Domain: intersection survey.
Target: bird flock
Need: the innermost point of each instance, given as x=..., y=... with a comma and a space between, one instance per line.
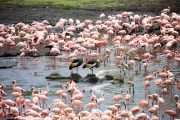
x=135, y=40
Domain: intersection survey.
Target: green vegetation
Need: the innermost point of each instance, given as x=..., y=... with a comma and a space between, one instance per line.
x=89, y=4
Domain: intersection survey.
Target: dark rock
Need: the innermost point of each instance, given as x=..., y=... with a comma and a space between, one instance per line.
x=91, y=78
x=76, y=77
x=109, y=77
x=56, y=76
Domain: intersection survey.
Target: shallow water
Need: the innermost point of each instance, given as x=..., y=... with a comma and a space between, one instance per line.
x=31, y=72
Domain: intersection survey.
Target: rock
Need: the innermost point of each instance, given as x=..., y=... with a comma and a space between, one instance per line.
x=91, y=78
x=56, y=76
x=109, y=77
x=76, y=77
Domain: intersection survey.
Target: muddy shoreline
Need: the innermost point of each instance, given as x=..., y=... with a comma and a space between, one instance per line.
x=15, y=14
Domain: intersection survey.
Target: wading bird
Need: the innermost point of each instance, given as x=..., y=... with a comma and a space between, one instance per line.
x=94, y=63
x=76, y=63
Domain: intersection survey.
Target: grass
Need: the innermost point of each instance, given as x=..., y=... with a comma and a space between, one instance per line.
x=86, y=4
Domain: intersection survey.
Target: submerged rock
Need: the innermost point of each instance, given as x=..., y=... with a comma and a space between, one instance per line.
x=115, y=79
x=56, y=76
x=91, y=78
x=76, y=77
x=109, y=77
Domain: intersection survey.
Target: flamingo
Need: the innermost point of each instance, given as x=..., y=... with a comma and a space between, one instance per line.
x=171, y=113
x=16, y=88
